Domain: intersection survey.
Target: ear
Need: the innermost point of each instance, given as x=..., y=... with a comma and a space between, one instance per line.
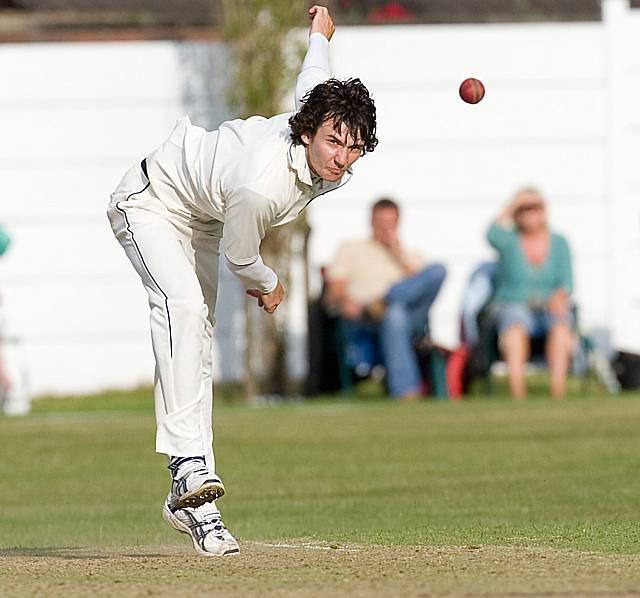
x=306, y=138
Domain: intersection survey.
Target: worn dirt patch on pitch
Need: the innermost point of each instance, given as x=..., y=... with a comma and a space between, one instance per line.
x=303, y=568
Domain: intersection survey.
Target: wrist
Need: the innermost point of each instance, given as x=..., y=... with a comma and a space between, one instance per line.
x=272, y=284
x=318, y=35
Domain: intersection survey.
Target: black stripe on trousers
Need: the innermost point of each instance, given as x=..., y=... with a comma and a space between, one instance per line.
x=143, y=165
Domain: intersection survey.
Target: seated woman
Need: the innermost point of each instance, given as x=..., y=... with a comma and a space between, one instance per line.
x=533, y=290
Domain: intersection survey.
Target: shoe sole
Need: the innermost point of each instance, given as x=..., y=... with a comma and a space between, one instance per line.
x=197, y=498
x=176, y=524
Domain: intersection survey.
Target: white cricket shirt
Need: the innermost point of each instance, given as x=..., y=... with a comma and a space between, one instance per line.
x=247, y=174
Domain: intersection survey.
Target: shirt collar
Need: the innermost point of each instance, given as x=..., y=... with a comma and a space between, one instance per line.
x=298, y=162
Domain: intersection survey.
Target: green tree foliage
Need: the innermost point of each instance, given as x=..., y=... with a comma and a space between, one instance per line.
x=257, y=31
x=265, y=59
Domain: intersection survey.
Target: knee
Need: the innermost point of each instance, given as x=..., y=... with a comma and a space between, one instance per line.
x=515, y=331
x=560, y=333
x=434, y=276
x=190, y=309
x=560, y=327
x=513, y=338
x=438, y=272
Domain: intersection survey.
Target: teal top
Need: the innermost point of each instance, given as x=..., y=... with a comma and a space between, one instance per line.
x=4, y=240
x=519, y=281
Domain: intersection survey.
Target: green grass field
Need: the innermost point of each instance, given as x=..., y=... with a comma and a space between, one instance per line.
x=484, y=474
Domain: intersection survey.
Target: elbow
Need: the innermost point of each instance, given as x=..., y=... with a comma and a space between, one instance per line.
x=235, y=263
x=307, y=81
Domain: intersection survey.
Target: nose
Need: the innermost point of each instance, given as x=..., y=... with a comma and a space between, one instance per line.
x=341, y=157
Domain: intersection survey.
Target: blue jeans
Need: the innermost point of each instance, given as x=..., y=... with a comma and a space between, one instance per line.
x=405, y=319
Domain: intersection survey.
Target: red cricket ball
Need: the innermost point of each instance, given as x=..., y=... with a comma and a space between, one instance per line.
x=471, y=90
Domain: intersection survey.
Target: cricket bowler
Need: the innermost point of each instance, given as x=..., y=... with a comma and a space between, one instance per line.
x=170, y=213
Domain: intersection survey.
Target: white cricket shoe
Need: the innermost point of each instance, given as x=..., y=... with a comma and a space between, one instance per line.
x=205, y=528
x=192, y=484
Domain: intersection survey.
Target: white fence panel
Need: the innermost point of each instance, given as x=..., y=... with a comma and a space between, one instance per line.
x=560, y=112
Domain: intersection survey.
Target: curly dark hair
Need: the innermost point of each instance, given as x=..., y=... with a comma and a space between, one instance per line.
x=346, y=102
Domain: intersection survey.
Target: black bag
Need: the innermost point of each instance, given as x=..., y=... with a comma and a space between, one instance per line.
x=627, y=369
x=324, y=361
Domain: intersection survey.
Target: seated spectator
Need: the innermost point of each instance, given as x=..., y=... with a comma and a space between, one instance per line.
x=377, y=284
x=533, y=290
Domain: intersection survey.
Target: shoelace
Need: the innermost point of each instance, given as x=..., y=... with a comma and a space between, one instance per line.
x=206, y=527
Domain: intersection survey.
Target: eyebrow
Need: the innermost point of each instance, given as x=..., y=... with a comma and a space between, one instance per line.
x=355, y=144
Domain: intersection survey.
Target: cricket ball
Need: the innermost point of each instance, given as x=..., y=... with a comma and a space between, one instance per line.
x=471, y=90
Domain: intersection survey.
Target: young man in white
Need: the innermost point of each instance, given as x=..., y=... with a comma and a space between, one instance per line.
x=170, y=213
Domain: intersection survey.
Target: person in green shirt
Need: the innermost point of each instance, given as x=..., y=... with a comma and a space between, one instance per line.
x=533, y=290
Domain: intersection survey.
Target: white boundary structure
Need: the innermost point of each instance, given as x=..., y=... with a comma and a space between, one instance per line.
x=623, y=175
x=559, y=113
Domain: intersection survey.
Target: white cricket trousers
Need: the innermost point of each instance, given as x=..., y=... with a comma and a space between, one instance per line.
x=176, y=256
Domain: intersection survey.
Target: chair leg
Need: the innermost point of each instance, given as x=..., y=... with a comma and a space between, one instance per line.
x=438, y=375
x=344, y=371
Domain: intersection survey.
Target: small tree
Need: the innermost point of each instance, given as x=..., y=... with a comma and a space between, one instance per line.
x=264, y=66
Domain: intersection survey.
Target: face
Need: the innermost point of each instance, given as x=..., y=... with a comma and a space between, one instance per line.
x=384, y=222
x=531, y=216
x=331, y=151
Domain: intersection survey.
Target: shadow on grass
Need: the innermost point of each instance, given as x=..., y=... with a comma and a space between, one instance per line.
x=78, y=553
x=50, y=551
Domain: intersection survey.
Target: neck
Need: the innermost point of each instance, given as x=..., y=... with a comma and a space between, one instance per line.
x=532, y=234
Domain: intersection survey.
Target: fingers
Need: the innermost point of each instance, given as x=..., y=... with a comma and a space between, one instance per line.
x=271, y=306
x=257, y=294
x=321, y=21
x=269, y=302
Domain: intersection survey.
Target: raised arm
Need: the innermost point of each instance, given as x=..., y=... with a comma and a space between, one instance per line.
x=501, y=231
x=315, y=67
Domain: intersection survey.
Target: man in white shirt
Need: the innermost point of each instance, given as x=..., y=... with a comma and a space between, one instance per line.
x=171, y=212
x=385, y=291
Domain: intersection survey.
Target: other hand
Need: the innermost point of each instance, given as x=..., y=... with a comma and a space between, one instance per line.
x=350, y=309
x=391, y=241
x=269, y=301
x=321, y=21
x=558, y=303
x=506, y=216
